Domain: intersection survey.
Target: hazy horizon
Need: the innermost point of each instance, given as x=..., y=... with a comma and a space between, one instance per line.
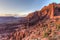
x=22, y=7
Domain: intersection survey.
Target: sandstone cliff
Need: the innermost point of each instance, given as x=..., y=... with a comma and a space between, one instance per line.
x=36, y=26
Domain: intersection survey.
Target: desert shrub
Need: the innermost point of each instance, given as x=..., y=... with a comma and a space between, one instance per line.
x=58, y=27
x=45, y=34
x=45, y=26
x=52, y=24
x=49, y=31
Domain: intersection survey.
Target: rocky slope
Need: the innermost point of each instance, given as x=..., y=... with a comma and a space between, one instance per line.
x=36, y=26
x=31, y=28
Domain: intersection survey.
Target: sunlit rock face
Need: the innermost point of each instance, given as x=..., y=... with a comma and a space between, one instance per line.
x=39, y=25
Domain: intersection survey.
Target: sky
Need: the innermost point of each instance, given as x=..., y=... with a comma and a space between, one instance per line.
x=22, y=7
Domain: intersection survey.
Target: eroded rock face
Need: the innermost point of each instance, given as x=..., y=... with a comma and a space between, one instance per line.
x=36, y=26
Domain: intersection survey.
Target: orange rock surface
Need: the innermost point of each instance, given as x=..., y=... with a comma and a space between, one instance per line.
x=39, y=25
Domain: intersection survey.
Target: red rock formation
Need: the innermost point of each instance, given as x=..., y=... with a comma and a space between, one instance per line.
x=39, y=25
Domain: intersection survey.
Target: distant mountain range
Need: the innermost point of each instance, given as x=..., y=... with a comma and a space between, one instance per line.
x=15, y=15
